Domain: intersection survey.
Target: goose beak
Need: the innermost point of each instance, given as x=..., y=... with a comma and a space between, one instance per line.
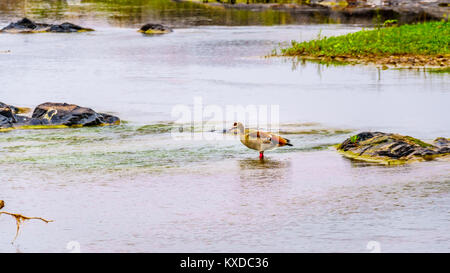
x=233, y=130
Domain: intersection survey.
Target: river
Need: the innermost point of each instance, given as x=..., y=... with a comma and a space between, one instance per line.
x=134, y=188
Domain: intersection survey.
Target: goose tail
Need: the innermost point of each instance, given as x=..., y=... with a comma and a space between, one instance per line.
x=285, y=142
x=288, y=142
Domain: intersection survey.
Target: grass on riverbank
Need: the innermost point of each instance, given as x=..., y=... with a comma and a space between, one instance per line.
x=423, y=40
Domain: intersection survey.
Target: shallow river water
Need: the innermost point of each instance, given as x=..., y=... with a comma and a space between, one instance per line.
x=134, y=188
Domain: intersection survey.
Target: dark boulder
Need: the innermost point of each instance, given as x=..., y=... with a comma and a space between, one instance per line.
x=7, y=115
x=69, y=115
x=392, y=148
x=154, y=29
x=68, y=27
x=15, y=109
x=443, y=144
x=54, y=114
x=27, y=26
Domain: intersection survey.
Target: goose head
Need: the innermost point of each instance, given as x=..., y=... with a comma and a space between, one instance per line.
x=238, y=128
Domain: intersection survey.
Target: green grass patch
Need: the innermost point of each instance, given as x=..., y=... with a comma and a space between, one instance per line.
x=431, y=38
x=440, y=70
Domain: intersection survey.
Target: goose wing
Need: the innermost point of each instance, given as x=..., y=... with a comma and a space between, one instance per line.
x=264, y=137
x=267, y=138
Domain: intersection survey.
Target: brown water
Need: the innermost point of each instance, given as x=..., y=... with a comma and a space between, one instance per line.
x=132, y=13
x=133, y=188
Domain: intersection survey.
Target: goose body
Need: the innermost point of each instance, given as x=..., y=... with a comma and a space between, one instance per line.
x=259, y=140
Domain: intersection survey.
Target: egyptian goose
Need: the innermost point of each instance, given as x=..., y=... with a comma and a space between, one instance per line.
x=258, y=140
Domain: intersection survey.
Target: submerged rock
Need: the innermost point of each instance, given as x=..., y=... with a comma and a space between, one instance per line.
x=68, y=27
x=55, y=114
x=27, y=26
x=392, y=148
x=7, y=115
x=155, y=29
x=15, y=109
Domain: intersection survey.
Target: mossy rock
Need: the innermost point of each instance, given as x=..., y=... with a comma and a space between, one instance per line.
x=27, y=26
x=154, y=29
x=392, y=149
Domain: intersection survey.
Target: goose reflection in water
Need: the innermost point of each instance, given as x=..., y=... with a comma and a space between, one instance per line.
x=267, y=170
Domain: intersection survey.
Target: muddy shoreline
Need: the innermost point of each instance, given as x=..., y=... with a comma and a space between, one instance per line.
x=409, y=61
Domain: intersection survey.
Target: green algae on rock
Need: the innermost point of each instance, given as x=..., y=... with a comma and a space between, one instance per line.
x=27, y=26
x=53, y=115
x=391, y=149
x=154, y=29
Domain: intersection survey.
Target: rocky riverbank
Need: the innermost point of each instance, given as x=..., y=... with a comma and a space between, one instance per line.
x=406, y=11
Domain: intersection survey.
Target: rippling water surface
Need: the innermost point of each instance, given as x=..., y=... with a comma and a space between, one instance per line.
x=132, y=187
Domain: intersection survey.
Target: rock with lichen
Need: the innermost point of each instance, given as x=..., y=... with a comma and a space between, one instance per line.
x=392, y=148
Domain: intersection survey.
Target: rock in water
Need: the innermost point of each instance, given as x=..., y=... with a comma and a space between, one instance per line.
x=154, y=29
x=7, y=115
x=392, y=148
x=69, y=115
x=16, y=110
x=27, y=26
x=54, y=114
x=68, y=27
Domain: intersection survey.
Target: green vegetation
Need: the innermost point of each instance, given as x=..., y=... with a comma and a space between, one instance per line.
x=418, y=142
x=440, y=70
x=354, y=138
x=300, y=2
x=134, y=13
x=426, y=39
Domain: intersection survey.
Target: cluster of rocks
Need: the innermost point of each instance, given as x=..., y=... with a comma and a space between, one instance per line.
x=52, y=114
x=27, y=26
x=392, y=148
